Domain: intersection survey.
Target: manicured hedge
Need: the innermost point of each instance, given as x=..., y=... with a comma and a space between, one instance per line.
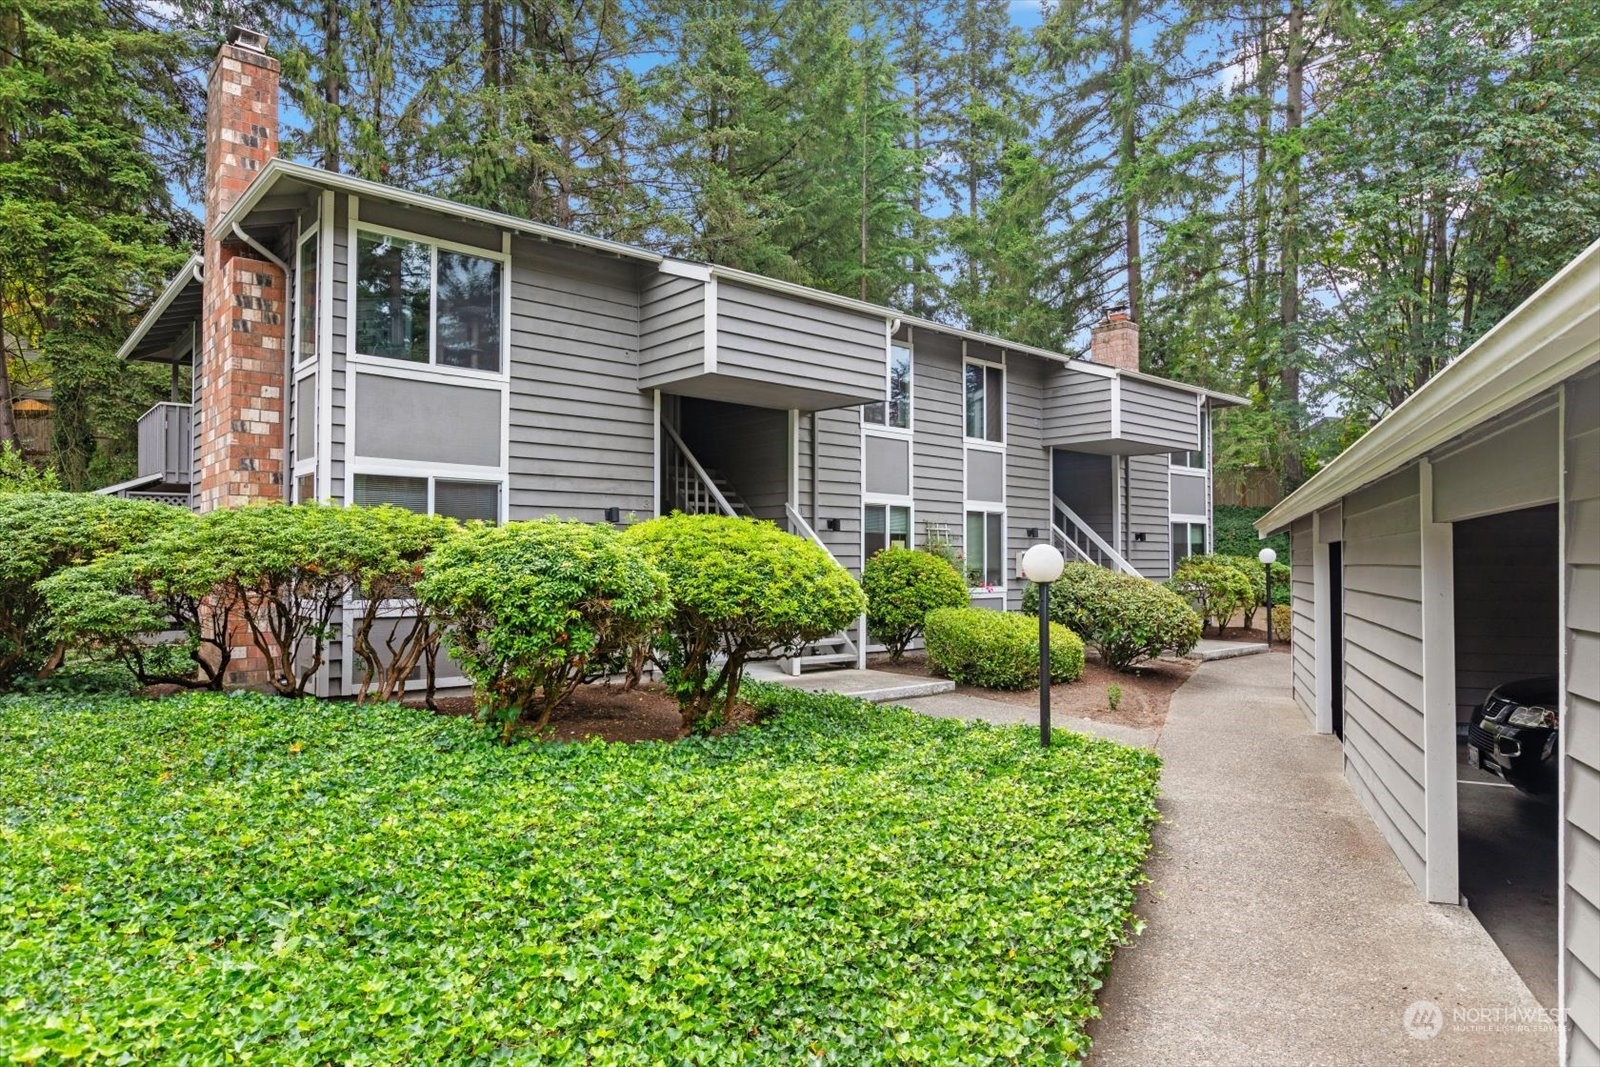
x=902, y=586
x=1215, y=586
x=253, y=878
x=998, y=650
x=1127, y=619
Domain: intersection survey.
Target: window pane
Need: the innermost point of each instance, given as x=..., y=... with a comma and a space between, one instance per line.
x=392, y=289
x=974, y=548
x=974, y=400
x=467, y=500
x=900, y=526
x=1180, y=543
x=875, y=519
x=469, y=311
x=994, y=573
x=995, y=404
x=305, y=488
x=900, y=387
x=306, y=294
x=873, y=413
x=408, y=493
x=1197, y=539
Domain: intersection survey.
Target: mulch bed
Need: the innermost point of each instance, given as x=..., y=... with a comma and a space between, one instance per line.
x=1146, y=692
x=610, y=713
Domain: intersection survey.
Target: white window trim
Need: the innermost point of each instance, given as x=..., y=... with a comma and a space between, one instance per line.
x=987, y=507
x=432, y=472
x=431, y=368
x=311, y=233
x=883, y=429
x=886, y=500
x=1005, y=382
x=1194, y=474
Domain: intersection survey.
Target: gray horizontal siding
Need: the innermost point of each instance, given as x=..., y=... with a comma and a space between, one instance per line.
x=1303, y=644
x=1160, y=415
x=938, y=421
x=837, y=443
x=1383, y=661
x=672, y=328
x=1581, y=726
x=582, y=434
x=1148, y=514
x=1077, y=407
x=1027, y=466
x=776, y=338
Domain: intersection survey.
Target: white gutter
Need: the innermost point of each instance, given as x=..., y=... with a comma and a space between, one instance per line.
x=1554, y=335
x=190, y=271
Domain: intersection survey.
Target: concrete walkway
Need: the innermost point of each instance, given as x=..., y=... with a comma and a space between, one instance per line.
x=1282, y=930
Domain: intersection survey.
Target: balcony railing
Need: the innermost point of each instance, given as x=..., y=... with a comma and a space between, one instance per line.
x=166, y=443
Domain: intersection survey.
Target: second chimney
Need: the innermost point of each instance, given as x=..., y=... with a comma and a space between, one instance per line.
x=1114, y=341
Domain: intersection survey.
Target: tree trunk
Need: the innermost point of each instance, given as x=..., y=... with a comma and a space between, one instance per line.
x=1126, y=159
x=1289, y=283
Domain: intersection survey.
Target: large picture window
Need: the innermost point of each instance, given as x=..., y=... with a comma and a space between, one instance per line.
x=886, y=525
x=986, y=402
x=421, y=303
x=437, y=496
x=894, y=411
x=986, y=549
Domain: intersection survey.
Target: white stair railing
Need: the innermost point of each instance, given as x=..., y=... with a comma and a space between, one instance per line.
x=689, y=487
x=1073, y=535
x=841, y=647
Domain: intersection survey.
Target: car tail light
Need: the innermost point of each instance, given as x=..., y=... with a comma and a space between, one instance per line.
x=1544, y=717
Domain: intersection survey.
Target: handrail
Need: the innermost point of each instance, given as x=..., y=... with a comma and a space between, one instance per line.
x=805, y=530
x=1069, y=542
x=700, y=472
x=1095, y=539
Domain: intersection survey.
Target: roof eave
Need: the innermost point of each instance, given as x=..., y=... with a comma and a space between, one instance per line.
x=190, y=271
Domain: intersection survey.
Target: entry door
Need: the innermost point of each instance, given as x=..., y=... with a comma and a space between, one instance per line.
x=1336, y=631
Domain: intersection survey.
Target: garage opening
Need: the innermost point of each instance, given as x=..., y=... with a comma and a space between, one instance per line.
x=1507, y=617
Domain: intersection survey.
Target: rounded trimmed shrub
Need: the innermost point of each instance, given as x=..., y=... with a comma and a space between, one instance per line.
x=1126, y=618
x=740, y=587
x=1216, y=587
x=998, y=650
x=902, y=585
x=528, y=605
x=1252, y=569
x=1282, y=623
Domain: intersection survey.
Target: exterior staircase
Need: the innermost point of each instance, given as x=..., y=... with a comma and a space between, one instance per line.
x=1078, y=540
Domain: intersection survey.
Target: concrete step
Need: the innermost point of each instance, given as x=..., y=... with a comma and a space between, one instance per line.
x=1206, y=651
x=879, y=687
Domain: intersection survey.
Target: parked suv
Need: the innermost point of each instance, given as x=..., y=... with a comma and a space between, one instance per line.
x=1513, y=734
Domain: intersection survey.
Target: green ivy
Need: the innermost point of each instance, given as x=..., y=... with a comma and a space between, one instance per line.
x=252, y=879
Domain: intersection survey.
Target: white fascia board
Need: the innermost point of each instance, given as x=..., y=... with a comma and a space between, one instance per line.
x=180, y=281
x=1551, y=337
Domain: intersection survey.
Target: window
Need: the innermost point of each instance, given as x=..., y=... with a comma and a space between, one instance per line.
x=887, y=524
x=1188, y=539
x=986, y=402
x=895, y=411
x=424, y=304
x=305, y=488
x=455, y=499
x=1195, y=460
x=986, y=549
x=305, y=315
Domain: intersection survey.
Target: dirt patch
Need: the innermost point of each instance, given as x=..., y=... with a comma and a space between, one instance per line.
x=610, y=713
x=1146, y=692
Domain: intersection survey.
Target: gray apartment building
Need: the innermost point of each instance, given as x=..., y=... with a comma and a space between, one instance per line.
x=354, y=342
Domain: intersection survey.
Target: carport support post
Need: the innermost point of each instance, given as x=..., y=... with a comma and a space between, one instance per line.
x=1441, y=844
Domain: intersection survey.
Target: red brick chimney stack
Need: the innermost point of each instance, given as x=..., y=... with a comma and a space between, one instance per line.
x=1114, y=341
x=240, y=455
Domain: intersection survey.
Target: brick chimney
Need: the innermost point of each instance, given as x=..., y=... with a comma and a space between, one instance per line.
x=241, y=384
x=1114, y=341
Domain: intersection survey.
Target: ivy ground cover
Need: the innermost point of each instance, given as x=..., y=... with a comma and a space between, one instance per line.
x=249, y=879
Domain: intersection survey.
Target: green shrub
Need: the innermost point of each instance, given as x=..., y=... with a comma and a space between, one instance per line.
x=740, y=587
x=42, y=533
x=1215, y=586
x=1282, y=623
x=528, y=605
x=187, y=876
x=1113, y=696
x=17, y=475
x=998, y=650
x=902, y=586
x=1253, y=570
x=1126, y=618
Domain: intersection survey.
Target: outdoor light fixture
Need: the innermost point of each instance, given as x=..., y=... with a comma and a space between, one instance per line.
x=1268, y=557
x=1032, y=532
x=613, y=515
x=1042, y=565
x=831, y=525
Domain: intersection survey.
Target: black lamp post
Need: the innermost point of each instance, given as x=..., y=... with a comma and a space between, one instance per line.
x=1268, y=557
x=1042, y=565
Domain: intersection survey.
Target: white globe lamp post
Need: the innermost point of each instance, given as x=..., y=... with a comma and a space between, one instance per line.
x=1041, y=565
x=1268, y=557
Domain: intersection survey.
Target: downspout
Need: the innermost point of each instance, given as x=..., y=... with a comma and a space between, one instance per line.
x=288, y=355
x=813, y=446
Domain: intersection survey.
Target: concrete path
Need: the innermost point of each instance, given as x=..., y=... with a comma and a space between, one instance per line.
x=880, y=687
x=971, y=706
x=1281, y=928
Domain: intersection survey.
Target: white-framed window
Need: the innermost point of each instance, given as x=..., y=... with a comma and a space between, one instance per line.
x=457, y=498
x=986, y=550
x=985, y=389
x=1188, y=539
x=423, y=301
x=885, y=525
x=305, y=487
x=894, y=411
x=1189, y=460
x=306, y=297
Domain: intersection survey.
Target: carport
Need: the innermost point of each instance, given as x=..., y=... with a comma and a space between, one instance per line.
x=1454, y=548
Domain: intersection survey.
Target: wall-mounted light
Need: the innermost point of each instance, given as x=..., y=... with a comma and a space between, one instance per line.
x=613, y=515
x=832, y=525
x=1138, y=537
x=1032, y=533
